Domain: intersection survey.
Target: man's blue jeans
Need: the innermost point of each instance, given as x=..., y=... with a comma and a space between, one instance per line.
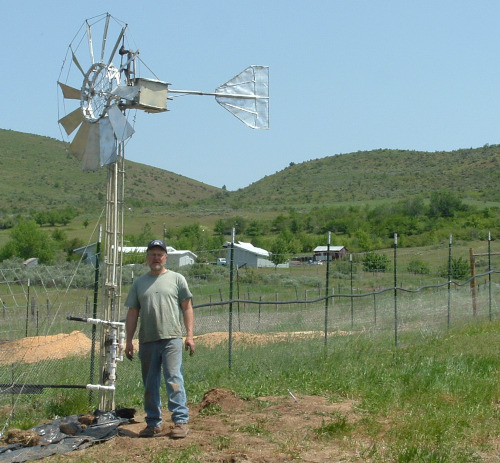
x=166, y=354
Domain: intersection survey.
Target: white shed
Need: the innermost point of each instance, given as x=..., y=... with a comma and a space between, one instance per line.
x=247, y=255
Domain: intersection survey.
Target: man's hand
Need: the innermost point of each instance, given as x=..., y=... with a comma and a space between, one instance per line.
x=129, y=350
x=189, y=345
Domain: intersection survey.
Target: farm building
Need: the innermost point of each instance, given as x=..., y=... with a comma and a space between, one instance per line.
x=175, y=258
x=247, y=255
x=336, y=252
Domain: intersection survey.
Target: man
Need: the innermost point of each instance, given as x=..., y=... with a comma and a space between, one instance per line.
x=160, y=297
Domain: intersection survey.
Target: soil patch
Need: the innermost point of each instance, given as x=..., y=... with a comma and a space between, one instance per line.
x=225, y=428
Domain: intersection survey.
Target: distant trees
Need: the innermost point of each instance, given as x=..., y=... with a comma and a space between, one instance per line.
x=55, y=217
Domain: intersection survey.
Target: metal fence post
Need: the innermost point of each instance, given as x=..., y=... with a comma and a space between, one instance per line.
x=395, y=290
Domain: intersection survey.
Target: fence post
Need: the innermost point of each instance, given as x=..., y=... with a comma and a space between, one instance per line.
x=473, y=283
x=326, y=285
x=352, y=298
x=489, y=276
x=449, y=281
x=231, y=267
x=395, y=291
x=27, y=309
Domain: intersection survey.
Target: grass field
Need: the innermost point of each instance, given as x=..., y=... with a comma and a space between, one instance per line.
x=436, y=400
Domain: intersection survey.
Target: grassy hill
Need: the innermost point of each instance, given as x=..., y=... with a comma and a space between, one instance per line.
x=379, y=175
x=38, y=173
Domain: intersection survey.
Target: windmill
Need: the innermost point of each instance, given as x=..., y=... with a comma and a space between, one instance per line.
x=103, y=77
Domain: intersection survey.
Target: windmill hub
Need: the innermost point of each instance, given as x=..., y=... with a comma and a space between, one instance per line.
x=98, y=83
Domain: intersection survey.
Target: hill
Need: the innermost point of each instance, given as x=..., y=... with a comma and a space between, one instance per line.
x=379, y=175
x=38, y=173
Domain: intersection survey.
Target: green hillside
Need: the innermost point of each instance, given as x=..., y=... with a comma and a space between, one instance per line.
x=38, y=174
x=380, y=175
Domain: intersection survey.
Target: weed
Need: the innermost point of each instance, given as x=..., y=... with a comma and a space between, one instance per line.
x=222, y=442
x=189, y=454
x=211, y=409
x=337, y=426
x=256, y=429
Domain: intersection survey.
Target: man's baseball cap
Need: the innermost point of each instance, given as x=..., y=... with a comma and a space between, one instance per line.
x=157, y=243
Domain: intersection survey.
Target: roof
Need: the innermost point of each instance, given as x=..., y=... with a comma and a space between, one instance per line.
x=133, y=250
x=325, y=248
x=249, y=247
x=142, y=249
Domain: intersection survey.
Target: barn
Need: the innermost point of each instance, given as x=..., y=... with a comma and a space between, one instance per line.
x=336, y=252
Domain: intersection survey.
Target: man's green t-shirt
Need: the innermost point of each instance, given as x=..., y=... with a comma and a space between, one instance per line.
x=158, y=299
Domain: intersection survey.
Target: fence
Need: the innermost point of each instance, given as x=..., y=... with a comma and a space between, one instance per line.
x=248, y=306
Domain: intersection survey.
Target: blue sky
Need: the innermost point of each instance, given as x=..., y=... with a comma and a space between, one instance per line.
x=345, y=75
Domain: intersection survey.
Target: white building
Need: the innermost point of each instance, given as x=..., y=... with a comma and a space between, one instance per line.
x=247, y=255
x=175, y=258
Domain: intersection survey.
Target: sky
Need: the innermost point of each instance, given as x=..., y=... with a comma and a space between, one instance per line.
x=345, y=76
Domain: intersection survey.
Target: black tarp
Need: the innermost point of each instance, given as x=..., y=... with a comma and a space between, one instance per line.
x=53, y=440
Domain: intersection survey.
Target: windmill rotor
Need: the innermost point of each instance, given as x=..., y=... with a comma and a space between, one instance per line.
x=100, y=117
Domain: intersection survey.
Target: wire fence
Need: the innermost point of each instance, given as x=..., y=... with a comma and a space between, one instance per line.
x=235, y=307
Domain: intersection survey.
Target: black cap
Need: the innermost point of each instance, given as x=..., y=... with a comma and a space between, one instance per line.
x=157, y=243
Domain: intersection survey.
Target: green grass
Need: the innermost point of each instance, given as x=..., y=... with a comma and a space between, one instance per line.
x=433, y=399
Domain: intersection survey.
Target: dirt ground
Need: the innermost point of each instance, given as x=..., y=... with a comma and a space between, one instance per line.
x=223, y=427
x=227, y=429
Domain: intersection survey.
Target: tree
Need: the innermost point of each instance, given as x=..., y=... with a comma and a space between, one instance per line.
x=418, y=267
x=373, y=262
x=28, y=240
x=444, y=204
x=279, y=252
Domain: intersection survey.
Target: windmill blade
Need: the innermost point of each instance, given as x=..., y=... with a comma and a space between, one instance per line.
x=105, y=37
x=70, y=93
x=94, y=144
x=91, y=158
x=120, y=126
x=107, y=142
x=77, y=146
x=72, y=120
x=91, y=47
x=77, y=63
x=246, y=96
x=116, y=44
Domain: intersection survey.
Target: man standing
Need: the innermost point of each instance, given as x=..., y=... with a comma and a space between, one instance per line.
x=160, y=297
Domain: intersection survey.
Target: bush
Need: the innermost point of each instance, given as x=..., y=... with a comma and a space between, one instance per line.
x=418, y=267
x=373, y=262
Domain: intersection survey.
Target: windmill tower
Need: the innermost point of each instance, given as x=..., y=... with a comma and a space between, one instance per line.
x=102, y=76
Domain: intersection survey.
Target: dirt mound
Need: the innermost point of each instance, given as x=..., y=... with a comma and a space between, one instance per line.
x=37, y=348
x=224, y=399
x=239, y=337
